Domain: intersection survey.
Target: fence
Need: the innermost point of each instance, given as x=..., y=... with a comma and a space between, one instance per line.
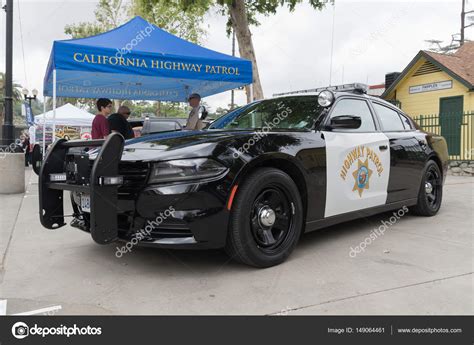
x=456, y=128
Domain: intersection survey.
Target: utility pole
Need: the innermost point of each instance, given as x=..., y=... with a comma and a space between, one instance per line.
x=7, y=128
x=232, y=105
x=463, y=21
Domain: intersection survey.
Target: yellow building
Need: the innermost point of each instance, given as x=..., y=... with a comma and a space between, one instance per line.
x=437, y=90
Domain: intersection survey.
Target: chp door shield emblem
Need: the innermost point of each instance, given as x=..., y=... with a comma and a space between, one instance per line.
x=362, y=176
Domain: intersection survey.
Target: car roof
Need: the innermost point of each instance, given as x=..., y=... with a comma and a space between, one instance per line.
x=339, y=94
x=156, y=119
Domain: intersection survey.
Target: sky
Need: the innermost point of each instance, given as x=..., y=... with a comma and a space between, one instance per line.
x=293, y=49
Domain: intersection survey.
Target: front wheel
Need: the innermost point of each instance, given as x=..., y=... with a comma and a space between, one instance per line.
x=431, y=191
x=266, y=220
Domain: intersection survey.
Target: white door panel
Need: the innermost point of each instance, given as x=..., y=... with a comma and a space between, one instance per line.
x=357, y=171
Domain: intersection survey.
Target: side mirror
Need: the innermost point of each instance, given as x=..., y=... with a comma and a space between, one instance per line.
x=345, y=122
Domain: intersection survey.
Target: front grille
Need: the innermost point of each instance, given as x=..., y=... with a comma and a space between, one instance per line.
x=170, y=228
x=134, y=178
x=77, y=168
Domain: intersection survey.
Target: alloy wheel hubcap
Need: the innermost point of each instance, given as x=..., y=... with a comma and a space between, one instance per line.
x=266, y=216
x=428, y=188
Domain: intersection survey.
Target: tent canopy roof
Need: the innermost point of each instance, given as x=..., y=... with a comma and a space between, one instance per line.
x=68, y=115
x=138, y=60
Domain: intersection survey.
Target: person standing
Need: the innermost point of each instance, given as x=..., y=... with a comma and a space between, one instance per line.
x=100, y=126
x=196, y=114
x=26, y=146
x=118, y=122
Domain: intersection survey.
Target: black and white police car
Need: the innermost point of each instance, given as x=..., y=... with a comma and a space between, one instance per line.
x=255, y=180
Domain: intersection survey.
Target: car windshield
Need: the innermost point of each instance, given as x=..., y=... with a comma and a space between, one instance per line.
x=294, y=113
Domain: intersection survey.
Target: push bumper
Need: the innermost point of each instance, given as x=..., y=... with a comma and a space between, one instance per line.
x=180, y=216
x=103, y=198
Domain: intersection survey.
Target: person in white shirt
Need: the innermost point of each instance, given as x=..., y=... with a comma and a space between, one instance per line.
x=195, y=115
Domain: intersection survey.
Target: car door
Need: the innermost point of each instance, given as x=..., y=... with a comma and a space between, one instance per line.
x=407, y=154
x=357, y=160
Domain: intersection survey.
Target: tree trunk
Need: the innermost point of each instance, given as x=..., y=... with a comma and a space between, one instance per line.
x=240, y=24
x=158, y=108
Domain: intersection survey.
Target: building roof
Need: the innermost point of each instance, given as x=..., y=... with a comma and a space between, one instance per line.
x=378, y=86
x=461, y=62
x=459, y=65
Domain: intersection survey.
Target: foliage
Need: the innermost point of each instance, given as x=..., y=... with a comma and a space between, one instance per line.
x=17, y=99
x=108, y=15
x=169, y=16
x=17, y=95
x=253, y=7
x=167, y=109
x=220, y=111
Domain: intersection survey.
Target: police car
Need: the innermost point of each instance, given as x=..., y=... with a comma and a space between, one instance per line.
x=254, y=181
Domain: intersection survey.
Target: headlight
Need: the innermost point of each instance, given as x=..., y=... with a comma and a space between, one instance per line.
x=185, y=169
x=325, y=98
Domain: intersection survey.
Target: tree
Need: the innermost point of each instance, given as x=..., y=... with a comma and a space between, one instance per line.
x=17, y=95
x=170, y=16
x=108, y=15
x=168, y=109
x=222, y=111
x=240, y=15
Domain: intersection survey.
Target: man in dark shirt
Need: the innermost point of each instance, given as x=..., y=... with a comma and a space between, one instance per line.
x=100, y=126
x=118, y=122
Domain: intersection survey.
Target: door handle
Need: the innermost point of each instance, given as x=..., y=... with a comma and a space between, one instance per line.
x=383, y=147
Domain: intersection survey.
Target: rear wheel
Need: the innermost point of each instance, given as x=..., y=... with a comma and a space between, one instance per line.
x=431, y=191
x=266, y=220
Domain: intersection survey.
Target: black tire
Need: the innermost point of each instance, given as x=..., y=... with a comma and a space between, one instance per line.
x=266, y=194
x=430, y=193
x=36, y=159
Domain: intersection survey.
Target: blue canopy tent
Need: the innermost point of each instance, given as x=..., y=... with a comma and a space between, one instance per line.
x=139, y=61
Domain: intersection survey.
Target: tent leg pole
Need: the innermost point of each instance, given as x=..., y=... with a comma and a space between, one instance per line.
x=54, y=106
x=44, y=126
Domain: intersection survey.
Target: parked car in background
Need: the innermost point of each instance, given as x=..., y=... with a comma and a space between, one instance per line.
x=151, y=125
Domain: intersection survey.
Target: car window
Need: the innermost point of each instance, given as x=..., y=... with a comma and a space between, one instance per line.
x=355, y=107
x=406, y=122
x=298, y=113
x=390, y=119
x=161, y=126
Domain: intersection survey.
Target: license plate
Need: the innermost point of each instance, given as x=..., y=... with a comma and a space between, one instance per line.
x=85, y=202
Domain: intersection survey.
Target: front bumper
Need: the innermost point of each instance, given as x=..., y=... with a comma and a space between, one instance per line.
x=186, y=215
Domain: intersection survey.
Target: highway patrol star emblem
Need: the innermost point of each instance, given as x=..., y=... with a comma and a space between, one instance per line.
x=362, y=176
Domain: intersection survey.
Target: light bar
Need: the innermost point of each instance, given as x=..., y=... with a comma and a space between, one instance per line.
x=354, y=87
x=110, y=180
x=61, y=177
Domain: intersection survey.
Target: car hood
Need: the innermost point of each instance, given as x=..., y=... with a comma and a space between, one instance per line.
x=181, y=144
